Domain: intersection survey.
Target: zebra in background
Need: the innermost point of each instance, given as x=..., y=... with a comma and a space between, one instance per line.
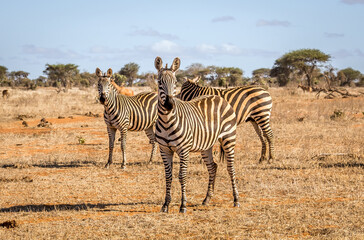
x=194, y=126
x=250, y=103
x=123, y=113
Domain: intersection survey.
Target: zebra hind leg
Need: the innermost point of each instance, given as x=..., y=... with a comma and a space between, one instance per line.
x=212, y=169
x=152, y=140
x=259, y=132
x=268, y=134
x=123, y=147
x=229, y=153
x=111, y=132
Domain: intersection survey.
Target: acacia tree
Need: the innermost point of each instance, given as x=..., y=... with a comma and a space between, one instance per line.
x=130, y=71
x=3, y=77
x=349, y=75
x=304, y=61
x=61, y=74
x=261, y=76
x=20, y=78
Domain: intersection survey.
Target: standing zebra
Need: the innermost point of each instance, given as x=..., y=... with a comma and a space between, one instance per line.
x=194, y=126
x=123, y=113
x=250, y=103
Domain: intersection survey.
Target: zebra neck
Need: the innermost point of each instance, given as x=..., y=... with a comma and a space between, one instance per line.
x=111, y=99
x=166, y=115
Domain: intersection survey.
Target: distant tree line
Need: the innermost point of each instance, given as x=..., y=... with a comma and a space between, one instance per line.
x=304, y=66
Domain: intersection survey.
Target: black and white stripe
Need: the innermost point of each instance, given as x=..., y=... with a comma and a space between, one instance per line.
x=126, y=113
x=195, y=126
x=250, y=103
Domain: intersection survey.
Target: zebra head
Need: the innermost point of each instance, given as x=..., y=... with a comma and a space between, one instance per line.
x=167, y=82
x=188, y=88
x=103, y=84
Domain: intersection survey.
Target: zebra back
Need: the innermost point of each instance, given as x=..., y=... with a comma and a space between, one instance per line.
x=140, y=110
x=247, y=102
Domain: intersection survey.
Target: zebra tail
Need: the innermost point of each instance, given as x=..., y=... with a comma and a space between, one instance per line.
x=222, y=154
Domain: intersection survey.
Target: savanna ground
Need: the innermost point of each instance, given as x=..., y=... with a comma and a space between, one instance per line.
x=53, y=184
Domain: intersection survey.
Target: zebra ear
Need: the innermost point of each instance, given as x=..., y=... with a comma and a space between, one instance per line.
x=175, y=65
x=98, y=72
x=195, y=80
x=158, y=63
x=109, y=72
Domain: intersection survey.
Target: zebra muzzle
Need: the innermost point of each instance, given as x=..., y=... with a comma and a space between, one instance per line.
x=102, y=99
x=169, y=103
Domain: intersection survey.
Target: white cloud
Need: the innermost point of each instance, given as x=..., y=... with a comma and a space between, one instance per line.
x=230, y=49
x=206, y=48
x=351, y=2
x=153, y=33
x=99, y=49
x=51, y=53
x=223, y=19
x=166, y=46
x=345, y=53
x=272, y=23
x=334, y=35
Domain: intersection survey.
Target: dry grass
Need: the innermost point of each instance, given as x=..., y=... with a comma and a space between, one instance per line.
x=56, y=188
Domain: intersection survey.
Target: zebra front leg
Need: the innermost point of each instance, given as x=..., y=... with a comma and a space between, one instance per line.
x=152, y=140
x=167, y=156
x=229, y=152
x=111, y=132
x=123, y=146
x=212, y=169
x=184, y=157
x=257, y=129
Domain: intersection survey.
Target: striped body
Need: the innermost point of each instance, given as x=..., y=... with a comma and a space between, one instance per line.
x=127, y=113
x=250, y=103
x=195, y=126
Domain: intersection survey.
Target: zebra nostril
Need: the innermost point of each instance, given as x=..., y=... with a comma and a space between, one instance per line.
x=102, y=98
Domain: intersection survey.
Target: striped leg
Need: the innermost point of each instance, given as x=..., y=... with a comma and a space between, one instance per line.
x=167, y=156
x=151, y=136
x=111, y=132
x=229, y=154
x=257, y=129
x=123, y=146
x=184, y=157
x=212, y=168
x=268, y=134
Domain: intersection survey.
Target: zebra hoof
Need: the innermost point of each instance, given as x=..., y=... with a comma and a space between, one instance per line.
x=206, y=201
x=123, y=167
x=107, y=165
x=164, y=209
x=183, y=210
x=236, y=204
x=262, y=159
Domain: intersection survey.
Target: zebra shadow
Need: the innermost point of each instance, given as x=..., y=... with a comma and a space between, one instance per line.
x=72, y=164
x=104, y=207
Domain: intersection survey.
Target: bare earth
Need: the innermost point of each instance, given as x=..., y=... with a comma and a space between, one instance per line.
x=53, y=184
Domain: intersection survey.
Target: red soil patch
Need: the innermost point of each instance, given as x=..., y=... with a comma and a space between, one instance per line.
x=16, y=127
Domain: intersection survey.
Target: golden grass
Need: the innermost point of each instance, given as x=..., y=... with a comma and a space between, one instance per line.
x=56, y=188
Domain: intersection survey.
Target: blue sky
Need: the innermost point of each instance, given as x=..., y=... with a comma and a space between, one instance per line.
x=230, y=33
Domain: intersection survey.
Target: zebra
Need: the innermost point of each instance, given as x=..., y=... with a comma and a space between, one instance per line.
x=123, y=113
x=250, y=103
x=194, y=126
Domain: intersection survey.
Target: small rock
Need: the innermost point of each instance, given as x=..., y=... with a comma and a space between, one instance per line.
x=25, y=124
x=9, y=224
